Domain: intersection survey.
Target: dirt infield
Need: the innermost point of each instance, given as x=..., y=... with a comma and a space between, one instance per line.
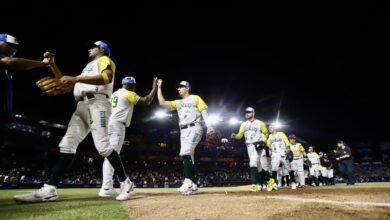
x=146, y=204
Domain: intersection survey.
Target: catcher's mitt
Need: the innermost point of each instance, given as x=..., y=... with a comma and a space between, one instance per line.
x=213, y=138
x=290, y=156
x=260, y=145
x=52, y=86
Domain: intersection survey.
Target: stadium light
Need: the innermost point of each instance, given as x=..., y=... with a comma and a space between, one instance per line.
x=161, y=114
x=233, y=121
x=277, y=124
x=214, y=119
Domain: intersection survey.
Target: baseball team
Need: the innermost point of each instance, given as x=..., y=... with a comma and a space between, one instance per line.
x=106, y=114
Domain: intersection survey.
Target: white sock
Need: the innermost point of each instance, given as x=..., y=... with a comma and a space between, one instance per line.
x=108, y=174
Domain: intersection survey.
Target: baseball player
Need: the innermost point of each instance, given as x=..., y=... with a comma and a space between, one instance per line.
x=326, y=169
x=323, y=178
x=330, y=173
x=314, y=159
x=190, y=108
x=92, y=89
x=122, y=106
x=296, y=166
x=283, y=174
x=8, y=48
x=277, y=143
x=255, y=131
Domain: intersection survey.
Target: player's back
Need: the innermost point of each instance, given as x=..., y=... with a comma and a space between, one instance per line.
x=122, y=105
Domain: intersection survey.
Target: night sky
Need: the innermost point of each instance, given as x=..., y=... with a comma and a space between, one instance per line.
x=321, y=63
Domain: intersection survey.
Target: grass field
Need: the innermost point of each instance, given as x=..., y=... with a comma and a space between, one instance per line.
x=210, y=203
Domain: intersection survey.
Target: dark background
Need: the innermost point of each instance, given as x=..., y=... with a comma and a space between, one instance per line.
x=323, y=64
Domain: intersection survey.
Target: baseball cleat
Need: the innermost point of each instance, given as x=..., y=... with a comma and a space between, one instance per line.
x=275, y=187
x=293, y=185
x=105, y=193
x=253, y=188
x=47, y=193
x=191, y=190
x=270, y=185
x=187, y=184
x=126, y=187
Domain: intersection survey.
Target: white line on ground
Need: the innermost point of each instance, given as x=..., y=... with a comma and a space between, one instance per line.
x=378, y=204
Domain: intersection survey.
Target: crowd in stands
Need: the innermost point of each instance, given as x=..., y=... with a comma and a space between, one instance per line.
x=161, y=173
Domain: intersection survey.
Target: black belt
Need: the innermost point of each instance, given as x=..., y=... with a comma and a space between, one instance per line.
x=91, y=96
x=187, y=126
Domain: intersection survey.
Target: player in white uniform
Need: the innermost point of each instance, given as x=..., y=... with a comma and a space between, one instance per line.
x=277, y=142
x=190, y=109
x=296, y=166
x=122, y=106
x=91, y=89
x=315, y=164
x=254, y=131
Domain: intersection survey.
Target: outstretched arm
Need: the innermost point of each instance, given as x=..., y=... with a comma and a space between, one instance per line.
x=16, y=63
x=161, y=99
x=146, y=100
x=206, y=119
x=50, y=57
x=99, y=79
x=240, y=133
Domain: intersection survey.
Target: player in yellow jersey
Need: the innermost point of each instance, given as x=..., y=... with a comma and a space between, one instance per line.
x=92, y=89
x=190, y=109
x=296, y=166
x=254, y=131
x=277, y=142
x=122, y=106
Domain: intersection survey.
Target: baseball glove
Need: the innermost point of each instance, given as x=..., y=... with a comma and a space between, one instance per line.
x=213, y=138
x=290, y=156
x=260, y=145
x=308, y=163
x=52, y=86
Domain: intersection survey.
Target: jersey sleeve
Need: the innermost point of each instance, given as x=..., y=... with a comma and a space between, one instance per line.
x=268, y=142
x=284, y=138
x=301, y=148
x=132, y=97
x=104, y=62
x=317, y=156
x=348, y=150
x=174, y=104
x=240, y=132
x=263, y=128
x=200, y=104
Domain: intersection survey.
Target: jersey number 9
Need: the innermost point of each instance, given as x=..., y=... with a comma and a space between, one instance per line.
x=114, y=101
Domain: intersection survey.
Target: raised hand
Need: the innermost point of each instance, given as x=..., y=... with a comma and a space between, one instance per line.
x=159, y=83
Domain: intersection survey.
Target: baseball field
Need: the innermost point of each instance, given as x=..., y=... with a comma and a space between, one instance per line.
x=362, y=201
